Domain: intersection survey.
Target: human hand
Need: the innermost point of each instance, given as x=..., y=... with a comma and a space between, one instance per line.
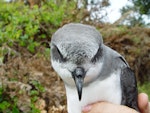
x=105, y=107
x=143, y=103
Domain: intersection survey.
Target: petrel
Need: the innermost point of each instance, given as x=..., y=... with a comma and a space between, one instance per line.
x=90, y=70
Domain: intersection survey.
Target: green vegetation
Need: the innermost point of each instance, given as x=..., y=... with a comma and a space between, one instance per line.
x=7, y=104
x=142, y=6
x=145, y=88
x=25, y=27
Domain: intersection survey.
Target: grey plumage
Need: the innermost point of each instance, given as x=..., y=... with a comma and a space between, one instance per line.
x=81, y=59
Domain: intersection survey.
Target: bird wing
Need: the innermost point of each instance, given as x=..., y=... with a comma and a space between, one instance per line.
x=129, y=88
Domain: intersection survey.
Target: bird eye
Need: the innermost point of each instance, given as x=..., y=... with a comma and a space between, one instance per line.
x=98, y=55
x=56, y=54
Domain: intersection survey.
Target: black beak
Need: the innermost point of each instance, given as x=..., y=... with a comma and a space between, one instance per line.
x=78, y=76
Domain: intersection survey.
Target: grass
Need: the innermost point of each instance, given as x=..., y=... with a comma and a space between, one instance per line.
x=144, y=88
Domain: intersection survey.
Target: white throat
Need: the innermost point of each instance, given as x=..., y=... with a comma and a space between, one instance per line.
x=108, y=89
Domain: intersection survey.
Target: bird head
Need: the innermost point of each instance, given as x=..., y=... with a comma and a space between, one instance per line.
x=76, y=55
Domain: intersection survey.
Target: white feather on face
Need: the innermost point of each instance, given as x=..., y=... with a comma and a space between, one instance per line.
x=64, y=71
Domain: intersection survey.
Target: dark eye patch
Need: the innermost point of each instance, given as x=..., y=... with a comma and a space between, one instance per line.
x=98, y=55
x=56, y=54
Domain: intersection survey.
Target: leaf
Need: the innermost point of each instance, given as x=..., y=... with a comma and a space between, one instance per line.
x=15, y=110
x=4, y=105
x=31, y=47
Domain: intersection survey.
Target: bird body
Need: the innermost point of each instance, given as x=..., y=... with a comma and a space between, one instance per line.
x=91, y=71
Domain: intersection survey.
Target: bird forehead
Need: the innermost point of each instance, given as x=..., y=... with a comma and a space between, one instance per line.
x=78, y=49
x=76, y=39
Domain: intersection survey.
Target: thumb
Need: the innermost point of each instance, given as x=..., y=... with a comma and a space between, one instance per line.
x=143, y=103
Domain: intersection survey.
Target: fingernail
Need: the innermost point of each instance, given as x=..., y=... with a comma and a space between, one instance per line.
x=86, y=108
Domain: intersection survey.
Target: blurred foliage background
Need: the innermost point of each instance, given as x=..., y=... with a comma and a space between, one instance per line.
x=27, y=81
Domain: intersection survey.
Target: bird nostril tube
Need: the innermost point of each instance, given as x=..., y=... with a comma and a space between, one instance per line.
x=79, y=72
